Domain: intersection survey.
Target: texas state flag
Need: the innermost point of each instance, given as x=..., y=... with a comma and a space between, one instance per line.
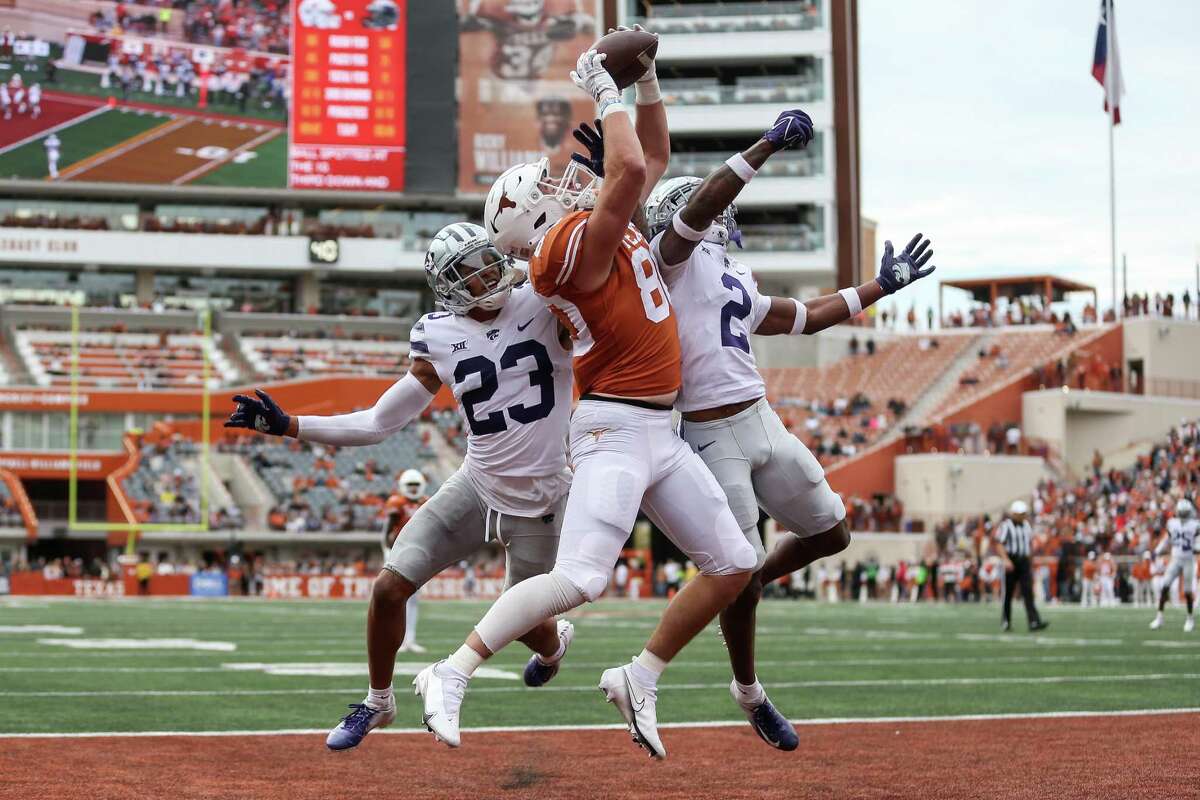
x=1106, y=66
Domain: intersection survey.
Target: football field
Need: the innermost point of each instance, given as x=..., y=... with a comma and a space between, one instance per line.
x=244, y=666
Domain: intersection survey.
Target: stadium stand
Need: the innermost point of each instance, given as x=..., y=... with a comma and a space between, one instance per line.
x=318, y=488
x=165, y=489
x=10, y=514
x=288, y=357
x=122, y=360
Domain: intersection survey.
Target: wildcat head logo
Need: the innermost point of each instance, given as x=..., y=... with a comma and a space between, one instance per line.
x=493, y=334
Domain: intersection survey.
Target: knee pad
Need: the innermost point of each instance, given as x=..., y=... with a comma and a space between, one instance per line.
x=589, y=578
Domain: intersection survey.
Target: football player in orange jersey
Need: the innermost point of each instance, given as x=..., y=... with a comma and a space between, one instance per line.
x=595, y=270
x=399, y=509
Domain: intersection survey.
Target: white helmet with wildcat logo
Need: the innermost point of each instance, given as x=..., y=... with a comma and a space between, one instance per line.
x=525, y=202
x=411, y=484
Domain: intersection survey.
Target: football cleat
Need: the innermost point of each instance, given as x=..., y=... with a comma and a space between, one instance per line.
x=1040, y=625
x=538, y=672
x=410, y=647
x=357, y=724
x=1005, y=627
x=441, y=687
x=1157, y=623
x=1189, y=625
x=637, y=706
x=771, y=726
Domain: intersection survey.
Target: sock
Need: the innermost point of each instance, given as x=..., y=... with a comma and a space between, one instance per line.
x=752, y=694
x=380, y=698
x=465, y=660
x=558, y=654
x=647, y=668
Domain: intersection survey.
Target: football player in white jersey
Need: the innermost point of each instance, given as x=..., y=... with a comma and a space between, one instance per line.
x=1182, y=530
x=508, y=363
x=726, y=417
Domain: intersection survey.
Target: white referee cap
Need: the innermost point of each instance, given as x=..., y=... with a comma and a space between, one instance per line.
x=1018, y=507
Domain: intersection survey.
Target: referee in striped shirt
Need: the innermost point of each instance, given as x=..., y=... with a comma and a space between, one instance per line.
x=1014, y=539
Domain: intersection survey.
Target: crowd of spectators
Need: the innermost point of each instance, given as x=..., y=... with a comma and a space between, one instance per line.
x=164, y=489
x=840, y=428
x=261, y=25
x=75, y=223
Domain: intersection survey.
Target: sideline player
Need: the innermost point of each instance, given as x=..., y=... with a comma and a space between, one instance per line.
x=508, y=363
x=596, y=271
x=1181, y=538
x=53, y=149
x=398, y=510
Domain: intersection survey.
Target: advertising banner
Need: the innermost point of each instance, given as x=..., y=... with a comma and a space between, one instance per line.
x=516, y=99
x=209, y=584
x=346, y=131
x=449, y=585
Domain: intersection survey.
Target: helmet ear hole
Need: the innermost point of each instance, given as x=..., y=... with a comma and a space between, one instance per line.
x=541, y=220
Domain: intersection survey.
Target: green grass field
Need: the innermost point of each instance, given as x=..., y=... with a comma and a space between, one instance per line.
x=817, y=661
x=78, y=142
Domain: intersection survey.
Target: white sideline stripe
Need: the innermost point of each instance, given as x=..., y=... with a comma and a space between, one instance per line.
x=1138, y=712
x=42, y=134
x=890, y=682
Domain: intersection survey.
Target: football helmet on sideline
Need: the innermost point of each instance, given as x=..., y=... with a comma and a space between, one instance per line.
x=411, y=484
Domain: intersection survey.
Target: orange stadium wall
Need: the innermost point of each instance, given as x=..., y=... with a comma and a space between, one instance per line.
x=874, y=472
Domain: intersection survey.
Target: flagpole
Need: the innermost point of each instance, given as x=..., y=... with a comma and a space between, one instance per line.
x=1112, y=79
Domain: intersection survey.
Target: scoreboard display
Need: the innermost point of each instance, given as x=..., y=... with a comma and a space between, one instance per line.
x=346, y=129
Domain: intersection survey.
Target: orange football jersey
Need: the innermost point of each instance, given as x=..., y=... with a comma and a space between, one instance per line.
x=626, y=342
x=403, y=508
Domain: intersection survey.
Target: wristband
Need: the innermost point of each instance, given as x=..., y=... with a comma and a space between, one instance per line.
x=646, y=92
x=853, y=302
x=801, y=318
x=685, y=230
x=609, y=106
x=737, y=162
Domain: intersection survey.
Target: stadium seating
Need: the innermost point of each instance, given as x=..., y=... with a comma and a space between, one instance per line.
x=164, y=488
x=288, y=357
x=10, y=515
x=327, y=488
x=123, y=360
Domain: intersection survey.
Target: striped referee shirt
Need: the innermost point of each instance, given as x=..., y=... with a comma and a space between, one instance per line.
x=1017, y=539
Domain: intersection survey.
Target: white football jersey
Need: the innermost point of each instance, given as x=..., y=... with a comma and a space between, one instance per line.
x=512, y=380
x=718, y=305
x=1183, y=536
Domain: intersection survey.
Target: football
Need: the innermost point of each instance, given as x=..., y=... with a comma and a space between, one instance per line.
x=630, y=54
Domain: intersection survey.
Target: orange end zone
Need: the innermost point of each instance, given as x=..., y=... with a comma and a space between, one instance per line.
x=1149, y=756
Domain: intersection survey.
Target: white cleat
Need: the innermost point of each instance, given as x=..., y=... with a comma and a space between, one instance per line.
x=637, y=705
x=1189, y=625
x=410, y=647
x=442, y=688
x=1157, y=623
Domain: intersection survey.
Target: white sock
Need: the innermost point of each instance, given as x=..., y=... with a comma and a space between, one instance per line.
x=752, y=694
x=647, y=668
x=380, y=698
x=465, y=660
x=410, y=621
x=558, y=654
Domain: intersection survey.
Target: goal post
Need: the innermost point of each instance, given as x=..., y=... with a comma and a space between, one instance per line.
x=73, y=521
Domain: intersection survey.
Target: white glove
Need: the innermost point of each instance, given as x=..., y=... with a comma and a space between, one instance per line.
x=591, y=76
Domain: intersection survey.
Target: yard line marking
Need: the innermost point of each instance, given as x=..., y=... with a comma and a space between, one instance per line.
x=849, y=683
x=393, y=731
x=121, y=148
x=208, y=166
x=62, y=629
x=95, y=112
x=878, y=662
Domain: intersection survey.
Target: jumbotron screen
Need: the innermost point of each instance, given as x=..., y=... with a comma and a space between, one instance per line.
x=274, y=94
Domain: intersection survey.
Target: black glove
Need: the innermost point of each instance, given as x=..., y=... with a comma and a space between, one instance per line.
x=262, y=415
x=593, y=140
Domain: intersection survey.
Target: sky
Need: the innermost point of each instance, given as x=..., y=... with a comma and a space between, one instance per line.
x=983, y=128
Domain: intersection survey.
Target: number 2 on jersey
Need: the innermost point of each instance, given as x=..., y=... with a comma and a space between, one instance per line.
x=734, y=309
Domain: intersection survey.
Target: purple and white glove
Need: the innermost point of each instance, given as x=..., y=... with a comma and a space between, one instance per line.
x=792, y=129
x=896, y=272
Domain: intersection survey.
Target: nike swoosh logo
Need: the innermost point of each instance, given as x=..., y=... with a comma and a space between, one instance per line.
x=526, y=325
x=700, y=449
x=425, y=718
x=637, y=703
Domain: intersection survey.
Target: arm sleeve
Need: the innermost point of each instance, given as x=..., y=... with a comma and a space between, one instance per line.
x=399, y=405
